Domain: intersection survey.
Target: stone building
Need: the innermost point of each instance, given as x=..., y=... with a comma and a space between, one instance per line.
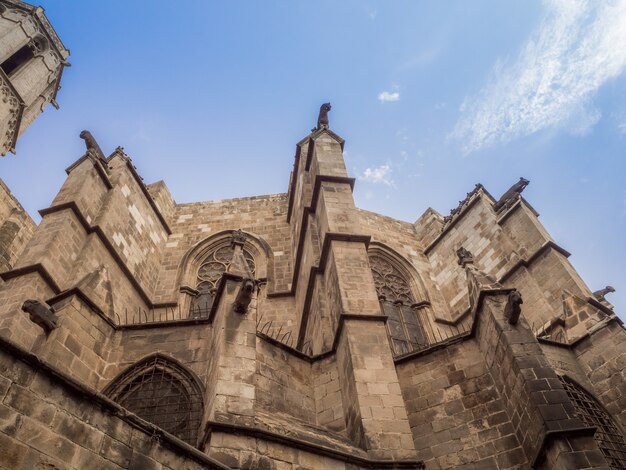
x=32, y=58
x=296, y=331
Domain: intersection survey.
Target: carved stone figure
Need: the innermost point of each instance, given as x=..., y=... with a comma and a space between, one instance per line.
x=239, y=238
x=244, y=296
x=92, y=146
x=322, y=120
x=511, y=194
x=464, y=256
x=599, y=294
x=41, y=315
x=512, y=309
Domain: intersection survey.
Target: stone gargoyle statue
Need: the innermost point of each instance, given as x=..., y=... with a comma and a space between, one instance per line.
x=322, y=119
x=244, y=296
x=512, y=310
x=41, y=315
x=511, y=194
x=93, y=148
x=599, y=294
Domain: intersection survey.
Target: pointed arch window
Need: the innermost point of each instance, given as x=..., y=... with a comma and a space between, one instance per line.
x=214, y=265
x=163, y=393
x=403, y=324
x=608, y=436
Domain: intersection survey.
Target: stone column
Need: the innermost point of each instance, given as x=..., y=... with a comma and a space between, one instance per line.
x=373, y=403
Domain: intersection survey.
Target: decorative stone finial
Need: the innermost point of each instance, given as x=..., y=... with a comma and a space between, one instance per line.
x=238, y=238
x=512, y=310
x=465, y=257
x=511, y=194
x=322, y=119
x=41, y=315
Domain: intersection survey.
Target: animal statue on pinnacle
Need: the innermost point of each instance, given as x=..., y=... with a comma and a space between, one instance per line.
x=511, y=195
x=322, y=119
x=93, y=149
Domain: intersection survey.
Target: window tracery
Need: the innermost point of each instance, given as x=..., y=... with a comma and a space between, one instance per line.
x=608, y=436
x=210, y=272
x=163, y=393
x=403, y=324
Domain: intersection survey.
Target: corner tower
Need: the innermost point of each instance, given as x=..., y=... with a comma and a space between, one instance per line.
x=32, y=58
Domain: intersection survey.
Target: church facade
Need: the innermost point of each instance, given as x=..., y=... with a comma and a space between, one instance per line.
x=296, y=331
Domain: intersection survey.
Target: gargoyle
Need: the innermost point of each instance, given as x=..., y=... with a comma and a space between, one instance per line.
x=244, y=296
x=322, y=119
x=512, y=309
x=511, y=194
x=41, y=315
x=599, y=294
x=93, y=148
x=464, y=256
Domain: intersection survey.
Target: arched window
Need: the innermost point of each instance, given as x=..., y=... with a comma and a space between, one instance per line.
x=210, y=272
x=608, y=436
x=403, y=325
x=19, y=58
x=163, y=393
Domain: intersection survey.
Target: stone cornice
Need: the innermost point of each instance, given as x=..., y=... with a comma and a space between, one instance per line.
x=547, y=246
x=33, y=268
x=314, y=448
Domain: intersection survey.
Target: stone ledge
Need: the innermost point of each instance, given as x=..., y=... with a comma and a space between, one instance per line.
x=33, y=268
x=314, y=448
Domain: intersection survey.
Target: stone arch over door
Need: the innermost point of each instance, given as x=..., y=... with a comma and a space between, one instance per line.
x=165, y=393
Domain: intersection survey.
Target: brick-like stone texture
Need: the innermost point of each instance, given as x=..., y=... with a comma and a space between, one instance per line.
x=304, y=377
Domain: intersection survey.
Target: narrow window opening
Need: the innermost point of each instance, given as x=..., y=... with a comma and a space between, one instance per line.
x=17, y=60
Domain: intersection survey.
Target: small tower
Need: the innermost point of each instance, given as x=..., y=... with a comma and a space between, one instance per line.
x=32, y=58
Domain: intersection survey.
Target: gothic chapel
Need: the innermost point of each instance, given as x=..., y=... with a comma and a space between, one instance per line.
x=293, y=331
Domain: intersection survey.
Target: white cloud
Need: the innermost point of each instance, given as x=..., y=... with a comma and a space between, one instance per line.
x=382, y=174
x=622, y=128
x=388, y=96
x=578, y=46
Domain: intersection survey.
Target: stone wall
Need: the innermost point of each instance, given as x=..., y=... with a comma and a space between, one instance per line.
x=50, y=421
x=305, y=377
x=16, y=228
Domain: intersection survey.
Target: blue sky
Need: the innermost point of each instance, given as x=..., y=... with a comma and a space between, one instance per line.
x=431, y=97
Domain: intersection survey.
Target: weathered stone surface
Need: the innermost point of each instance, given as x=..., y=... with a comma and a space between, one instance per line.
x=298, y=373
